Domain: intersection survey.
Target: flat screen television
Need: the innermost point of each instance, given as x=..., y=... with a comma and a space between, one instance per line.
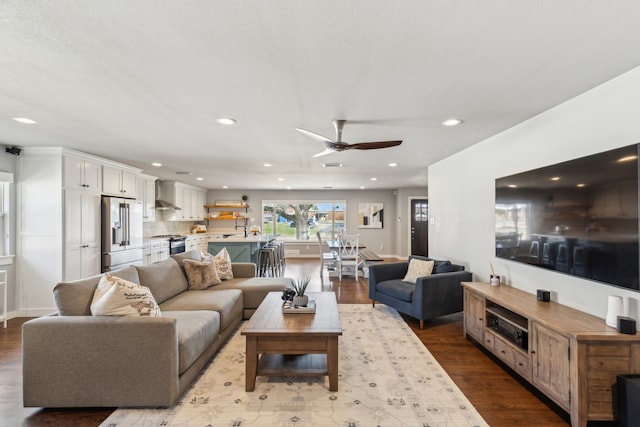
x=578, y=217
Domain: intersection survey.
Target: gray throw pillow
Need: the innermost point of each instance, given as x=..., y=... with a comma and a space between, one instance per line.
x=442, y=267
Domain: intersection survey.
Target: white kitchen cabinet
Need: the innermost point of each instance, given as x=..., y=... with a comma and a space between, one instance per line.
x=191, y=243
x=183, y=201
x=196, y=241
x=164, y=251
x=82, y=234
x=82, y=174
x=55, y=239
x=197, y=206
x=118, y=182
x=147, y=194
x=188, y=198
x=192, y=202
x=203, y=245
x=155, y=251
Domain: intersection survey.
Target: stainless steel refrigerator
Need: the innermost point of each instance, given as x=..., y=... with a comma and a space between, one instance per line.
x=121, y=233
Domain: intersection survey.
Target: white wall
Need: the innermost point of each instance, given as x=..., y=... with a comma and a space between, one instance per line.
x=461, y=187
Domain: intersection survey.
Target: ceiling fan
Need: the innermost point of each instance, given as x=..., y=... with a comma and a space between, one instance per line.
x=339, y=145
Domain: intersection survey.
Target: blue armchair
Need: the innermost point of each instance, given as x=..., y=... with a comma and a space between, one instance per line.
x=430, y=297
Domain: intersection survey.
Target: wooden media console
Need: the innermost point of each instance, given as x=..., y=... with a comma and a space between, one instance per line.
x=570, y=356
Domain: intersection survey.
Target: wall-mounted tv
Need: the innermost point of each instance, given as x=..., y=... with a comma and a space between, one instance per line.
x=578, y=217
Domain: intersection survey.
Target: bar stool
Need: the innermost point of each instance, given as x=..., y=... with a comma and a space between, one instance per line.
x=563, y=259
x=534, y=252
x=283, y=258
x=579, y=261
x=279, y=257
x=549, y=254
x=267, y=261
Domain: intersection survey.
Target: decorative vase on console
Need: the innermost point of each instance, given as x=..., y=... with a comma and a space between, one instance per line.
x=300, y=287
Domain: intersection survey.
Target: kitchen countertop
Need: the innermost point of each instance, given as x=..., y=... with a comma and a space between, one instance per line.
x=260, y=238
x=227, y=236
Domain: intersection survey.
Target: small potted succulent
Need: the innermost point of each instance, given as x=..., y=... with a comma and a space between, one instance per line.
x=244, y=200
x=300, y=287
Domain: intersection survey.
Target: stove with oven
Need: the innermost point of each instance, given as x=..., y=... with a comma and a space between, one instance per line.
x=177, y=242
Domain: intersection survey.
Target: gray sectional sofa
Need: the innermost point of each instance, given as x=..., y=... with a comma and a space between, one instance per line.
x=74, y=359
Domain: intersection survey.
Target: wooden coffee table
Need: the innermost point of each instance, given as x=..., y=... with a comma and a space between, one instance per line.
x=293, y=344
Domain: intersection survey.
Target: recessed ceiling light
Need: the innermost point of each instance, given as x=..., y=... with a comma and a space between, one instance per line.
x=289, y=188
x=25, y=120
x=628, y=158
x=374, y=179
x=226, y=121
x=225, y=186
x=451, y=122
x=267, y=165
x=156, y=164
x=555, y=178
x=362, y=187
x=200, y=178
x=332, y=165
x=280, y=179
x=393, y=165
x=512, y=186
x=581, y=185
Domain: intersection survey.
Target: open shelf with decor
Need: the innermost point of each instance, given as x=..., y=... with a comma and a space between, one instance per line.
x=229, y=212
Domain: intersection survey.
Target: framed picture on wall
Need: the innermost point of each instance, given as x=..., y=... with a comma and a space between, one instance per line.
x=370, y=215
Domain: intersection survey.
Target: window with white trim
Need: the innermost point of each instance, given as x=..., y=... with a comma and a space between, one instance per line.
x=300, y=220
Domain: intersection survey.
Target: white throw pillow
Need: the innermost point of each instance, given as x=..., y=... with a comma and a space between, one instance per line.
x=223, y=264
x=118, y=297
x=418, y=268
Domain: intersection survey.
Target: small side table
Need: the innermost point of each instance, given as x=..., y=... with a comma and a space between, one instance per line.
x=3, y=283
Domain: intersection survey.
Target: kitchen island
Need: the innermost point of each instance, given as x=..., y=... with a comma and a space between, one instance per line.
x=240, y=248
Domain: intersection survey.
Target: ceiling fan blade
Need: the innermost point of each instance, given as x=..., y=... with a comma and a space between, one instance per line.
x=372, y=145
x=315, y=136
x=325, y=152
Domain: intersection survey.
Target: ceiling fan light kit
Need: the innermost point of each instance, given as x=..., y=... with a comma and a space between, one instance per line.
x=332, y=146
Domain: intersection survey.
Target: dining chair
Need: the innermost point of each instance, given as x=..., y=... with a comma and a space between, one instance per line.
x=348, y=257
x=328, y=258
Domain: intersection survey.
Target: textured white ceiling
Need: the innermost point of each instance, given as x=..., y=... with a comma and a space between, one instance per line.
x=143, y=81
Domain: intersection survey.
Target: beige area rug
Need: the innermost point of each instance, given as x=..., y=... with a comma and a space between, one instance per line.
x=387, y=378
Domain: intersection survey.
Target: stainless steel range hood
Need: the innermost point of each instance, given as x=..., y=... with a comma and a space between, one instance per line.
x=161, y=204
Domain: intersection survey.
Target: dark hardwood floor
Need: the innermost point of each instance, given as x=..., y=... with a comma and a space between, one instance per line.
x=500, y=397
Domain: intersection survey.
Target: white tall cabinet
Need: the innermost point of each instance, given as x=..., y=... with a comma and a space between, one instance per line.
x=147, y=194
x=58, y=221
x=82, y=234
x=82, y=181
